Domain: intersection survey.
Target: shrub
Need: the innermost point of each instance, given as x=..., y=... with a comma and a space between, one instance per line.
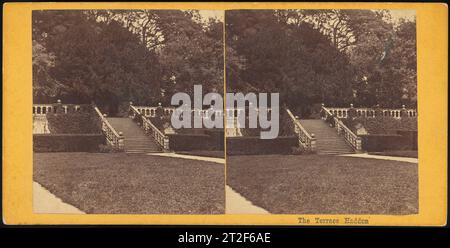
x=382, y=124
x=285, y=123
x=108, y=148
x=73, y=122
x=191, y=131
x=138, y=119
x=297, y=150
x=255, y=145
x=251, y=132
x=330, y=120
x=217, y=138
x=300, y=150
x=124, y=109
x=190, y=142
x=160, y=122
x=287, y=127
x=67, y=142
x=389, y=142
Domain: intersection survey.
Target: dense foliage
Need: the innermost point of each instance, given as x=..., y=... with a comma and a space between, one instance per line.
x=74, y=123
x=68, y=142
x=336, y=57
x=112, y=57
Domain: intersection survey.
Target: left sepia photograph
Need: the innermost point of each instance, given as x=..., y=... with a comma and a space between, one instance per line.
x=107, y=137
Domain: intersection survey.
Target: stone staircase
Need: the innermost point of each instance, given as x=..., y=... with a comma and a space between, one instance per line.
x=136, y=141
x=328, y=142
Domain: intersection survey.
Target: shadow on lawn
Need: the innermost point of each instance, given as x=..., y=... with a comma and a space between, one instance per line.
x=132, y=184
x=319, y=184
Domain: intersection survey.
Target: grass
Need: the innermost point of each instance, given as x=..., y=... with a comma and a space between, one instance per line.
x=409, y=154
x=132, y=183
x=203, y=153
x=315, y=184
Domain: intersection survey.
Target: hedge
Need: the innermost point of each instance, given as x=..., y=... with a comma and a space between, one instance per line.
x=74, y=123
x=403, y=140
x=67, y=142
x=285, y=123
x=254, y=145
x=383, y=125
x=211, y=140
x=160, y=122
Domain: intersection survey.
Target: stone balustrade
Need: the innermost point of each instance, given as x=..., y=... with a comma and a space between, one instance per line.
x=306, y=140
x=373, y=112
x=343, y=113
x=40, y=123
x=43, y=109
x=150, y=111
x=113, y=137
x=235, y=112
x=351, y=138
x=148, y=126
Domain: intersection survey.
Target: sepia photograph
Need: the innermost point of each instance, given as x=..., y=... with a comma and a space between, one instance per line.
x=225, y=114
x=344, y=86
x=103, y=139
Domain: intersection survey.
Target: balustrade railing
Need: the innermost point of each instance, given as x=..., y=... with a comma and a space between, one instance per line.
x=150, y=111
x=43, y=109
x=113, y=137
x=306, y=140
x=397, y=113
x=151, y=129
x=351, y=138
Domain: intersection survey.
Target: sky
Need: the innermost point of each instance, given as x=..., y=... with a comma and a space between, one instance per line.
x=400, y=13
x=212, y=13
x=396, y=14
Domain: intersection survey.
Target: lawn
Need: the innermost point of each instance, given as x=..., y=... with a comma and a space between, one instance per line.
x=203, y=153
x=319, y=184
x=408, y=154
x=132, y=183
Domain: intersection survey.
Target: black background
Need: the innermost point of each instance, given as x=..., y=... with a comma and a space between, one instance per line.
x=167, y=236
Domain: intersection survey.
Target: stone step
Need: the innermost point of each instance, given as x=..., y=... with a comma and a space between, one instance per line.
x=327, y=139
x=144, y=146
x=141, y=151
x=333, y=150
x=342, y=145
x=136, y=140
x=333, y=153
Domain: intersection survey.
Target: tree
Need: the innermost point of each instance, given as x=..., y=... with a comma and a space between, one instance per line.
x=95, y=61
x=192, y=53
x=45, y=87
x=273, y=54
x=384, y=57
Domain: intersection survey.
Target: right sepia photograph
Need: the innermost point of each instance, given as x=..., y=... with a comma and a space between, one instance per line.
x=321, y=112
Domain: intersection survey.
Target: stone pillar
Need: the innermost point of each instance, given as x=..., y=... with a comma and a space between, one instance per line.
x=323, y=114
x=378, y=111
x=351, y=113
x=59, y=108
x=166, y=143
x=130, y=111
x=313, y=143
x=358, y=144
x=121, y=142
x=403, y=112
x=159, y=111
